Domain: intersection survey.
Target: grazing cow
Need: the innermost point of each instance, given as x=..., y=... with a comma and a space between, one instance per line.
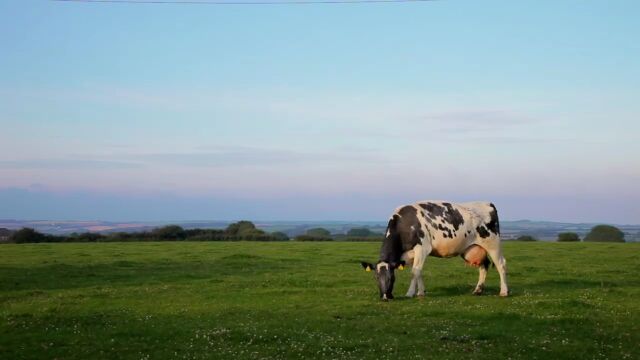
x=439, y=229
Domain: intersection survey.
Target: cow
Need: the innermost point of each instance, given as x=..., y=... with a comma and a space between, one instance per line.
x=440, y=229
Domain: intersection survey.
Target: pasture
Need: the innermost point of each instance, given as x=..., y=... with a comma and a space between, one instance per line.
x=246, y=300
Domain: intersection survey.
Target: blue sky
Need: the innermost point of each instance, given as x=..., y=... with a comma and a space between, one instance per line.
x=323, y=112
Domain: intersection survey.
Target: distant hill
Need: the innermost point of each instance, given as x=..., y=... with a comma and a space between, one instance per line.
x=543, y=230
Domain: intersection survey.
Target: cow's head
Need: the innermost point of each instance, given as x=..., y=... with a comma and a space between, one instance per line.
x=384, y=273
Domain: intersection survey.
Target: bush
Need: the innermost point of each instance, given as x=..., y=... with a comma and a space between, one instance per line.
x=242, y=227
x=359, y=232
x=312, y=238
x=526, y=238
x=605, y=233
x=568, y=236
x=372, y=238
x=122, y=236
x=319, y=232
x=85, y=237
x=279, y=235
x=27, y=235
x=169, y=232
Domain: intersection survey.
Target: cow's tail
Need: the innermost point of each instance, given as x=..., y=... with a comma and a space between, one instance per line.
x=494, y=222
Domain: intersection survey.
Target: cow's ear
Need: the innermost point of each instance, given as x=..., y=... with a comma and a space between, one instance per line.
x=400, y=265
x=367, y=266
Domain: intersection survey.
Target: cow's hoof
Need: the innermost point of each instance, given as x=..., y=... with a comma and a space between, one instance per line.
x=504, y=293
x=478, y=290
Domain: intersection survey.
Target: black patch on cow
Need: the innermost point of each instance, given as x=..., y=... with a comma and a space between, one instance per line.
x=433, y=210
x=444, y=235
x=405, y=233
x=482, y=231
x=453, y=216
x=446, y=211
x=494, y=224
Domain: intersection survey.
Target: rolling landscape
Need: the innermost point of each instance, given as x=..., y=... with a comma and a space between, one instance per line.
x=541, y=230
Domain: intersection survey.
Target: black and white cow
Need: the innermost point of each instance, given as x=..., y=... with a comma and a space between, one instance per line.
x=440, y=229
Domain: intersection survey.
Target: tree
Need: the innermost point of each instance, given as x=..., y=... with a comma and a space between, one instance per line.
x=312, y=238
x=241, y=227
x=27, y=235
x=605, y=233
x=279, y=235
x=359, y=232
x=319, y=232
x=87, y=236
x=169, y=232
x=526, y=238
x=568, y=236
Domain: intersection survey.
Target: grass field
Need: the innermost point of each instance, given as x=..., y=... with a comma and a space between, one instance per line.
x=311, y=300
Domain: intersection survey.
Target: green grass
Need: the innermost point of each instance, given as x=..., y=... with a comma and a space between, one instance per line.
x=311, y=300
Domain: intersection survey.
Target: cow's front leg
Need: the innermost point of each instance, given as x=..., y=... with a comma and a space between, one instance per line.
x=417, y=284
x=412, y=286
x=420, y=282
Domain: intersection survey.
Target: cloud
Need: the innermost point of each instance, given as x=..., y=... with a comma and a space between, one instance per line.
x=466, y=121
x=211, y=156
x=233, y=156
x=68, y=163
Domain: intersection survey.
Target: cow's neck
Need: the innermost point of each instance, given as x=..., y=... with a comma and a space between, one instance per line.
x=391, y=250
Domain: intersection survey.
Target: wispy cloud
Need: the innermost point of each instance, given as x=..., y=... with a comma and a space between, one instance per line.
x=69, y=163
x=467, y=121
x=228, y=156
x=212, y=156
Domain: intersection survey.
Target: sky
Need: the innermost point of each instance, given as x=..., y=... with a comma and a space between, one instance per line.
x=319, y=112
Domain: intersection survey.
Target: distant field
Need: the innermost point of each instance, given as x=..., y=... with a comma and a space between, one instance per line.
x=311, y=300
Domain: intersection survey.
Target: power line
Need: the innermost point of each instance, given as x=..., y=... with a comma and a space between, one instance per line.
x=258, y=2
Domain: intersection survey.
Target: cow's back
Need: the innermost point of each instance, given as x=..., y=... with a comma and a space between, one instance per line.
x=453, y=228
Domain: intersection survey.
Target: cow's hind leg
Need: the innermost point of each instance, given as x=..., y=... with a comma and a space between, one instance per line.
x=501, y=265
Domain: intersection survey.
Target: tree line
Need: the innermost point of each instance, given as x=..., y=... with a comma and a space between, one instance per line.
x=242, y=230
x=247, y=231
x=598, y=233
x=238, y=231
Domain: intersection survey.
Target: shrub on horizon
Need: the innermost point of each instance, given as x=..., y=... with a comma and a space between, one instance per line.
x=604, y=233
x=319, y=232
x=568, y=236
x=27, y=235
x=526, y=238
x=312, y=238
x=169, y=232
